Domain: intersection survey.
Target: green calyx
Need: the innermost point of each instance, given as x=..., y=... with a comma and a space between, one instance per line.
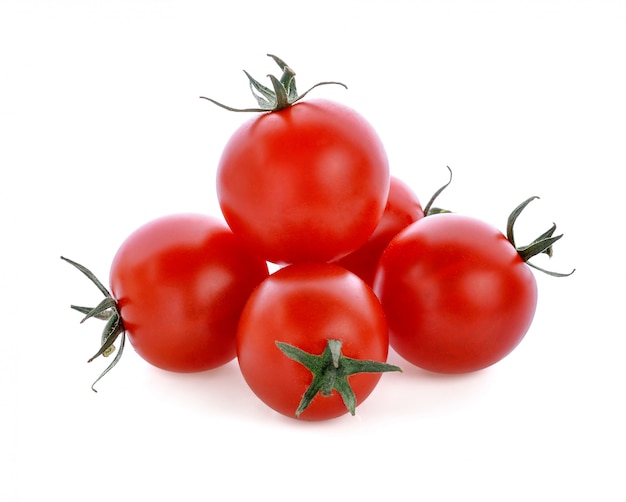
x=107, y=310
x=282, y=95
x=429, y=209
x=331, y=370
x=542, y=244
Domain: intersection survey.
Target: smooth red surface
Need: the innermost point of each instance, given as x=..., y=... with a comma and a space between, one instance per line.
x=181, y=282
x=457, y=296
x=305, y=305
x=307, y=183
x=403, y=208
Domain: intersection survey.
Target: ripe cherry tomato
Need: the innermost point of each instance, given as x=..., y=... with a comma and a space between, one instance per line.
x=457, y=295
x=315, y=308
x=181, y=282
x=403, y=208
x=306, y=183
x=178, y=285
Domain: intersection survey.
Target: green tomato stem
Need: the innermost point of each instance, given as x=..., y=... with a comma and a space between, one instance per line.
x=542, y=244
x=429, y=209
x=107, y=309
x=331, y=370
x=282, y=95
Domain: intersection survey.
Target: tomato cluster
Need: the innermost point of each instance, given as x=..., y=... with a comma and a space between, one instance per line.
x=361, y=266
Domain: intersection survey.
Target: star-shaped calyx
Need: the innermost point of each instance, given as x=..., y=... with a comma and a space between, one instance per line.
x=331, y=370
x=282, y=95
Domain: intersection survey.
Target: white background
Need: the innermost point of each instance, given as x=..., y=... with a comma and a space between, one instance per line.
x=102, y=129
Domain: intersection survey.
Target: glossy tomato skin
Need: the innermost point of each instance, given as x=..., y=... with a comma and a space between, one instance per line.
x=181, y=282
x=305, y=305
x=457, y=296
x=306, y=183
x=403, y=208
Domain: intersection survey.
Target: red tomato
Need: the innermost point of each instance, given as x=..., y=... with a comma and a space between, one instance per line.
x=457, y=295
x=305, y=183
x=403, y=208
x=305, y=306
x=180, y=283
